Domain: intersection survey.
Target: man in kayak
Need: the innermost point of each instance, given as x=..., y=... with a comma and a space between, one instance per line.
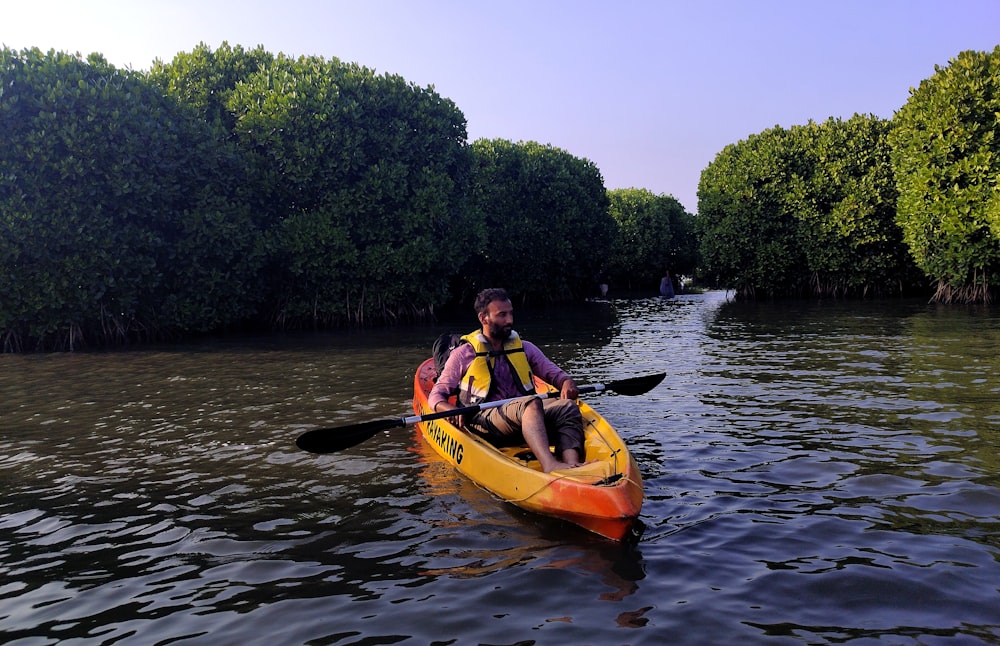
x=495, y=364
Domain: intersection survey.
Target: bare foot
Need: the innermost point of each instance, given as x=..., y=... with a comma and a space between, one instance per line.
x=556, y=465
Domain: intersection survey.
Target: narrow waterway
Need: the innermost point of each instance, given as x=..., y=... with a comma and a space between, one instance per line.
x=814, y=472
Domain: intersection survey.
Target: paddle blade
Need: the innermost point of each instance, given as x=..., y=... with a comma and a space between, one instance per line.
x=330, y=440
x=636, y=385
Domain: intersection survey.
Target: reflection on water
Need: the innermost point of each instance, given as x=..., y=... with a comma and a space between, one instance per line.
x=815, y=473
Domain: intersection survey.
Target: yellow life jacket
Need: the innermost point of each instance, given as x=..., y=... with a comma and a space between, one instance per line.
x=477, y=382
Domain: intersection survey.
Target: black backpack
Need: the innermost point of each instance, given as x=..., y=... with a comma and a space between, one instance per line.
x=442, y=348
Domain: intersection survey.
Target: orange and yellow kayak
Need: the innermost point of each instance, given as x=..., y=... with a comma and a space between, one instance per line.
x=603, y=496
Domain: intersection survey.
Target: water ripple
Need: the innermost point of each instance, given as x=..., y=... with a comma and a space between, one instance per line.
x=815, y=473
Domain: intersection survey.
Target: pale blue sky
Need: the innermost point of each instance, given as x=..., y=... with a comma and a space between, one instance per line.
x=650, y=91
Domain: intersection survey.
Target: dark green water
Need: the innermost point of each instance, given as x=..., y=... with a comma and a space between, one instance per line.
x=815, y=473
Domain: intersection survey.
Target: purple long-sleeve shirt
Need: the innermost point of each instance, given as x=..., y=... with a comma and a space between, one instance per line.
x=461, y=358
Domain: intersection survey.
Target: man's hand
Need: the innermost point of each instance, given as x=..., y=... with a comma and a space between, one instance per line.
x=444, y=406
x=569, y=390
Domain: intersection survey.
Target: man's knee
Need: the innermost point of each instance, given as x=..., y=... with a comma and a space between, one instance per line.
x=566, y=406
x=565, y=411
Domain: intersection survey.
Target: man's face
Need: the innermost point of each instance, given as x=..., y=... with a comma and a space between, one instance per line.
x=498, y=320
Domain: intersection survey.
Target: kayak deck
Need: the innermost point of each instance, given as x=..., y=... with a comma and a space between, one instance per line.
x=604, y=496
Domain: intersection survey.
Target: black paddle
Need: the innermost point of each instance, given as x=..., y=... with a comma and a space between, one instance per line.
x=329, y=440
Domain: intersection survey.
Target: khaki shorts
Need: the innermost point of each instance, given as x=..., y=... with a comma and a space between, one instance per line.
x=502, y=425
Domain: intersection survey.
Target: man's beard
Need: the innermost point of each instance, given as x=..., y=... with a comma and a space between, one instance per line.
x=500, y=332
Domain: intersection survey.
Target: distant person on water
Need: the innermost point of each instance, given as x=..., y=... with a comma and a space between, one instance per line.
x=496, y=364
x=602, y=284
x=667, y=286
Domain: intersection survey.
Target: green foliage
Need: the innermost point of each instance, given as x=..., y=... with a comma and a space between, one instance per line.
x=808, y=210
x=235, y=186
x=846, y=208
x=104, y=183
x=946, y=156
x=654, y=235
x=546, y=218
x=361, y=183
x=204, y=80
x=747, y=235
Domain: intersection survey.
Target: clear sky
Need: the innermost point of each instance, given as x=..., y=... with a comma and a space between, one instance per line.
x=648, y=90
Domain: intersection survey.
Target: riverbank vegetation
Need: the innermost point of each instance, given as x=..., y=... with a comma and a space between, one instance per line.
x=805, y=211
x=236, y=189
x=865, y=206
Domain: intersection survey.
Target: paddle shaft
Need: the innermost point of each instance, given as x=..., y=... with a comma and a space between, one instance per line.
x=328, y=440
x=466, y=410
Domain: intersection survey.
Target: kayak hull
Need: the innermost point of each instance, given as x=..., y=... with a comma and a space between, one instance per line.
x=604, y=496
